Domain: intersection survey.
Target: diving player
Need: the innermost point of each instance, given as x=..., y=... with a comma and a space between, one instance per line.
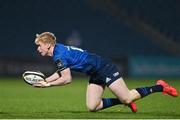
x=102, y=73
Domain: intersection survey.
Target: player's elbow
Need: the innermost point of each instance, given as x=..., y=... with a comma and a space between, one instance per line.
x=68, y=80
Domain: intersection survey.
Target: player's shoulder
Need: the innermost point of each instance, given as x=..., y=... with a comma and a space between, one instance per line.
x=59, y=51
x=60, y=46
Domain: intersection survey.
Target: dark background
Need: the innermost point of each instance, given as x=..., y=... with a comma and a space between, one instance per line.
x=119, y=29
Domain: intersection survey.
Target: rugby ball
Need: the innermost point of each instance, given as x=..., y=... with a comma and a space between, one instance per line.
x=32, y=77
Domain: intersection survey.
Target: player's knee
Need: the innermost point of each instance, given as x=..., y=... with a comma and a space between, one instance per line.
x=126, y=100
x=91, y=107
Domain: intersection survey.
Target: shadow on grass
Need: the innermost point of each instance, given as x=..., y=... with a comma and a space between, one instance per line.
x=117, y=114
x=5, y=114
x=92, y=115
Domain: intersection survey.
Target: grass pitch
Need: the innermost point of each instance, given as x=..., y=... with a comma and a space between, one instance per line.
x=19, y=100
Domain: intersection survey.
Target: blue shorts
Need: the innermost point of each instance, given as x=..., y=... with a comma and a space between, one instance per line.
x=106, y=75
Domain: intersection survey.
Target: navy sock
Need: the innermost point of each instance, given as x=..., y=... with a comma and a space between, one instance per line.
x=144, y=91
x=108, y=102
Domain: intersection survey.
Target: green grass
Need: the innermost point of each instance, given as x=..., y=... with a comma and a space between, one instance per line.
x=21, y=101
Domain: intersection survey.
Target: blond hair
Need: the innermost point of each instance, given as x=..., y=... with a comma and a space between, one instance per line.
x=45, y=37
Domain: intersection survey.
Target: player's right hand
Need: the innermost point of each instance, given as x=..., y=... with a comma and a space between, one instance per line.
x=41, y=84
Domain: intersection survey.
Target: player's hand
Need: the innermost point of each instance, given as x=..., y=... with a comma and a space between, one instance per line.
x=41, y=84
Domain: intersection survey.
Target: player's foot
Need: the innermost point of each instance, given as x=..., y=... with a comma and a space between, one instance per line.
x=133, y=107
x=167, y=89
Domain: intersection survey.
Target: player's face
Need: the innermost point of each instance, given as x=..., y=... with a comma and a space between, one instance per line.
x=43, y=48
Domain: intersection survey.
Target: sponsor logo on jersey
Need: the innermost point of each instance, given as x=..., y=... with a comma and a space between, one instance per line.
x=116, y=74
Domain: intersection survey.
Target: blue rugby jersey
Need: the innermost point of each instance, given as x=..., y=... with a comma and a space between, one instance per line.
x=76, y=59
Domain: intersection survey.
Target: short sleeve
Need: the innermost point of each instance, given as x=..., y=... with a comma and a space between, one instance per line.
x=60, y=65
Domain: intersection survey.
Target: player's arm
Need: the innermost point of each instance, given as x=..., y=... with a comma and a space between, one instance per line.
x=62, y=70
x=57, y=79
x=53, y=77
x=63, y=77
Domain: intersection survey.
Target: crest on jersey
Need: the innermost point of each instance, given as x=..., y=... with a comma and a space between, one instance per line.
x=60, y=65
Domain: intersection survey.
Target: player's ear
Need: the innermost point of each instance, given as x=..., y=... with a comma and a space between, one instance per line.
x=48, y=45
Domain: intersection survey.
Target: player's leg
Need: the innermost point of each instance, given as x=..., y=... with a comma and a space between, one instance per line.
x=161, y=86
x=121, y=91
x=94, y=94
x=94, y=97
x=95, y=101
x=126, y=96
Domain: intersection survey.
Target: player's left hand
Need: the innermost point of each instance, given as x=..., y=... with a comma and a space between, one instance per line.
x=41, y=84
